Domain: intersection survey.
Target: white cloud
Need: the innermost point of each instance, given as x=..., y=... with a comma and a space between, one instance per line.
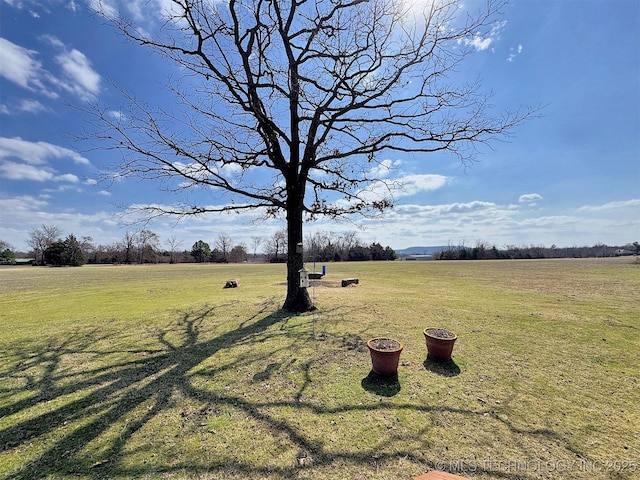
x=404, y=226
x=634, y=203
x=143, y=12
x=22, y=171
x=382, y=169
x=397, y=188
x=24, y=105
x=21, y=66
x=482, y=42
x=36, y=153
x=81, y=78
x=404, y=186
x=416, y=214
x=18, y=213
x=468, y=222
x=117, y=115
x=530, y=198
x=23, y=213
x=198, y=171
x=108, y=8
x=513, y=52
x=476, y=207
x=478, y=42
x=31, y=106
x=413, y=184
x=24, y=203
x=77, y=75
x=139, y=10
x=67, y=177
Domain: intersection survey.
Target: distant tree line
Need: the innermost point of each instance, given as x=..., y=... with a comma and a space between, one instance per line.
x=144, y=246
x=223, y=251
x=484, y=251
x=332, y=247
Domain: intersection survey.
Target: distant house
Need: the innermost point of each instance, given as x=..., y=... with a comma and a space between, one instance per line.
x=24, y=261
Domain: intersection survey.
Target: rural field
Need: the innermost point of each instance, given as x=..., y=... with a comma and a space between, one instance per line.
x=157, y=372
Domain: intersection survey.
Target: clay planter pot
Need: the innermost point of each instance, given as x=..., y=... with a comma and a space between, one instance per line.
x=385, y=355
x=439, y=343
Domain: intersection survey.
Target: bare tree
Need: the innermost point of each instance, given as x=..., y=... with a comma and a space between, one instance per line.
x=148, y=243
x=256, y=241
x=315, y=243
x=288, y=106
x=223, y=244
x=348, y=241
x=88, y=248
x=174, y=244
x=276, y=245
x=128, y=245
x=40, y=239
x=5, y=246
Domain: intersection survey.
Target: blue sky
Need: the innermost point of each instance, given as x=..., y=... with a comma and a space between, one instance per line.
x=569, y=177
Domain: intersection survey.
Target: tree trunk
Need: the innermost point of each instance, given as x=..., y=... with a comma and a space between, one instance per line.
x=298, y=299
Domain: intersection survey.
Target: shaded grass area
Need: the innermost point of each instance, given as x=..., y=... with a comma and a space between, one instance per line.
x=157, y=372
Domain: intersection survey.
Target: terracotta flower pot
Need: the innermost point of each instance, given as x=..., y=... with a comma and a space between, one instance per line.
x=439, y=343
x=385, y=355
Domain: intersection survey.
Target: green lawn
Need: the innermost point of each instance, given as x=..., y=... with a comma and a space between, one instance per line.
x=158, y=372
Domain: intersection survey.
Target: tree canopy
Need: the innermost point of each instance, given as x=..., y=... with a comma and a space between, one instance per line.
x=65, y=252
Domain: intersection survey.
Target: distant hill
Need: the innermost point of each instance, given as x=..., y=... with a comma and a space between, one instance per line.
x=421, y=250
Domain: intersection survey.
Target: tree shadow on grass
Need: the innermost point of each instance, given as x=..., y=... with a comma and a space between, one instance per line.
x=71, y=412
x=104, y=394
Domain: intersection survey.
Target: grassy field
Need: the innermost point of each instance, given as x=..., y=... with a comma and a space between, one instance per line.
x=157, y=372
